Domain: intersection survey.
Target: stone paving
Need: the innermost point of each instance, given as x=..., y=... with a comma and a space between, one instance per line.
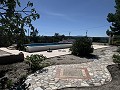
x=73, y=75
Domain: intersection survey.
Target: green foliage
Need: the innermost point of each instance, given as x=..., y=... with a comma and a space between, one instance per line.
x=57, y=37
x=82, y=47
x=100, y=39
x=47, y=39
x=116, y=42
x=118, y=50
x=36, y=62
x=13, y=22
x=33, y=36
x=9, y=83
x=20, y=84
x=114, y=18
x=116, y=58
x=3, y=82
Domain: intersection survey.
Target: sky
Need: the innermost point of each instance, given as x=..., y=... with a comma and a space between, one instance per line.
x=72, y=16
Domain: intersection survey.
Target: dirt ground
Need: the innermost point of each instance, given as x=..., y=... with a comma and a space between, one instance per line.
x=71, y=59
x=14, y=71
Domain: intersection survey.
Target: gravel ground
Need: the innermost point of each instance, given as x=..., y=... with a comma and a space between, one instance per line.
x=14, y=71
x=71, y=59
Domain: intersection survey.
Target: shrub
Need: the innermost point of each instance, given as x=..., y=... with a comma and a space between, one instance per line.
x=3, y=82
x=21, y=47
x=82, y=47
x=116, y=58
x=9, y=83
x=118, y=50
x=116, y=40
x=117, y=43
x=20, y=84
x=36, y=61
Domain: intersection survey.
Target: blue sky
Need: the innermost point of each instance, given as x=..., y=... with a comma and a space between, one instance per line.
x=75, y=16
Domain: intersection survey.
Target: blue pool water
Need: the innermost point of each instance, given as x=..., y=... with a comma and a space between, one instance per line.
x=43, y=44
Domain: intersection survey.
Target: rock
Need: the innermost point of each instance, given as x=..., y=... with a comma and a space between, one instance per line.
x=38, y=88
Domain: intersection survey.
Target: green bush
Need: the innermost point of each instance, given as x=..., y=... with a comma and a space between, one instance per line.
x=9, y=83
x=117, y=43
x=36, y=61
x=20, y=84
x=118, y=50
x=116, y=40
x=116, y=58
x=82, y=47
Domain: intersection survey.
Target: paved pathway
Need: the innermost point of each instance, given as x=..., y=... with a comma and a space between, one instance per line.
x=74, y=75
x=54, y=53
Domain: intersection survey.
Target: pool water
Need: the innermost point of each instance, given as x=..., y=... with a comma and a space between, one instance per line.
x=43, y=44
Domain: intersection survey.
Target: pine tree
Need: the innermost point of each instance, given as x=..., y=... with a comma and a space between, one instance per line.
x=114, y=19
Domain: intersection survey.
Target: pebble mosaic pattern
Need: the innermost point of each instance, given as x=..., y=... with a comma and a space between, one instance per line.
x=74, y=75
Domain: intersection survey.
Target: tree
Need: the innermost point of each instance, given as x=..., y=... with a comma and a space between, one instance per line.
x=33, y=36
x=110, y=34
x=114, y=18
x=56, y=34
x=13, y=22
x=34, y=33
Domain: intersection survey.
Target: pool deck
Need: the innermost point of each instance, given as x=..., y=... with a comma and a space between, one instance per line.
x=54, y=53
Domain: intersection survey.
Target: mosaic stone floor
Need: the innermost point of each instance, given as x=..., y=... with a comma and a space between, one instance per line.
x=74, y=73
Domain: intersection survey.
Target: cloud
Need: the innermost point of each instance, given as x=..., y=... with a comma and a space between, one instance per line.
x=64, y=16
x=55, y=14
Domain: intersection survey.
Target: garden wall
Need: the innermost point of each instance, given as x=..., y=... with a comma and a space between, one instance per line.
x=8, y=59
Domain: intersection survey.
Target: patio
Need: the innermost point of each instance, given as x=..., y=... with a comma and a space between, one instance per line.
x=54, y=53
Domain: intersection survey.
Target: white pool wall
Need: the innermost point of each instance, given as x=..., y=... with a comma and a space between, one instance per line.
x=47, y=47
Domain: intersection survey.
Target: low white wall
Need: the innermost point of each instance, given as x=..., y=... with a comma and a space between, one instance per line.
x=44, y=48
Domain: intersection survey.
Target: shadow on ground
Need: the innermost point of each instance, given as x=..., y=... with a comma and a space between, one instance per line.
x=90, y=56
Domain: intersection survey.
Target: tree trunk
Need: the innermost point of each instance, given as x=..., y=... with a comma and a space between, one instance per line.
x=109, y=40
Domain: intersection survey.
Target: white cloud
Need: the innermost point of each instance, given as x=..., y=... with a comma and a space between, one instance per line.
x=55, y=14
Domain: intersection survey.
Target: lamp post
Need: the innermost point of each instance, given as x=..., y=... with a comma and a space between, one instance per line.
x=86, y=32
x=69, y=34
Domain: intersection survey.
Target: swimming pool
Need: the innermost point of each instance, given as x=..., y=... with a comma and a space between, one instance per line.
x=36, y=47
x=43, y=44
